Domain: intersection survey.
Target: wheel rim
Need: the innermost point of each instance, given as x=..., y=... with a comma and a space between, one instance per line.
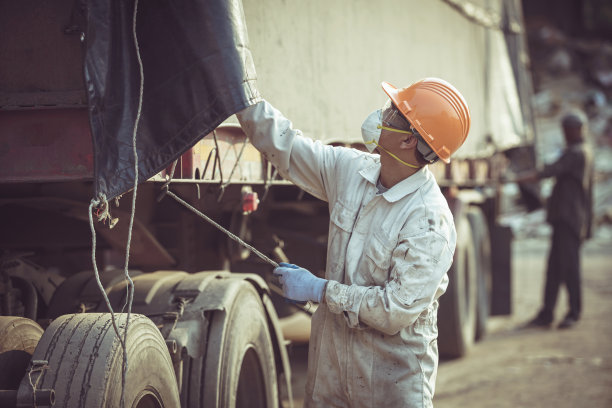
x=251, y=383
x=147, y=399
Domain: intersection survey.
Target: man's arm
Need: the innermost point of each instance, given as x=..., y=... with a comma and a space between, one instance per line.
x=567, y=163
x=307, y=163
x=419, y=267
x=571, y=161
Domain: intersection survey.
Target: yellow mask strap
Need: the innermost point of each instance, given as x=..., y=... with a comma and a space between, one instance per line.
x=392, y=155
x=408, y=132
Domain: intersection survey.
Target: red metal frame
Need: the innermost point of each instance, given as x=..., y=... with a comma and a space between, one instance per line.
x=45, y=145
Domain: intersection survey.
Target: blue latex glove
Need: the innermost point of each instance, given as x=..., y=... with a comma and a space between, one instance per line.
x=299, y=284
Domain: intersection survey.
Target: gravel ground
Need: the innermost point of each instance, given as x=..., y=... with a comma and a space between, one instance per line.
x=514, y=367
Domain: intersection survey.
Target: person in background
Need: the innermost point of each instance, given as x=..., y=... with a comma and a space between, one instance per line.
x=391, y=242
x=569, y=212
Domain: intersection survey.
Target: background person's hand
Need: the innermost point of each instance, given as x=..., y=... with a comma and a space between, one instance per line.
x=299, y=284
x=526, y=177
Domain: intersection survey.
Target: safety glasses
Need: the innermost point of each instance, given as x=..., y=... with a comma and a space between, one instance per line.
x=393, y=118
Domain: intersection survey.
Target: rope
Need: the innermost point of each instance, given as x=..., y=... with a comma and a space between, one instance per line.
x=229, y=178
x=172, y=170
x=37, y=366
x=213, y=150
x=305, y=307
x=217, y=160
x=130, y=288
x=268, y=184
x=221, y=228
x=105, y=214
x=95, y=203
x=227, y=183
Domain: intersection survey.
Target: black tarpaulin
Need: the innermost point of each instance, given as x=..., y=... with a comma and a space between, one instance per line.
x=198, y=71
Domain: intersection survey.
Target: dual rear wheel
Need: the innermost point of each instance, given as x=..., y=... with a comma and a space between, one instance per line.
x=239, y=368
x=84, y=362
x=18, y=339
x=83, y=359
x=464, y=308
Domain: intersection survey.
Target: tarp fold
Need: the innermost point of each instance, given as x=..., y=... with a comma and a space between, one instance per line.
x=198, y=71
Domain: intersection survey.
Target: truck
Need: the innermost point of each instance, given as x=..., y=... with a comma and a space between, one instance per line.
x=117, y=139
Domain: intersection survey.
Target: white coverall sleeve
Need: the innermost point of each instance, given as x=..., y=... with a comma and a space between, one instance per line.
x=305, y=162
x=418, y=276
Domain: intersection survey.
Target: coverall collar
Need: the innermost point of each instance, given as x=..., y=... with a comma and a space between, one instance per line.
x=403, y=188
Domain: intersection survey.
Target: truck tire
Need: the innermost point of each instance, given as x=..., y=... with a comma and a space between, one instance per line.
x=81, y=289
x=457, y=312
x=18, y=339
x=239, y=352
x=65, y=299
x=84, y=364
x=482, y=246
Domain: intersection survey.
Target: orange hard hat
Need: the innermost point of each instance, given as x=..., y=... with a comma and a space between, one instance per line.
x=436, y=110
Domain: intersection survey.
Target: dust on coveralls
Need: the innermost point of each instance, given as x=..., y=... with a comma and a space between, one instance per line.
x=373, y=338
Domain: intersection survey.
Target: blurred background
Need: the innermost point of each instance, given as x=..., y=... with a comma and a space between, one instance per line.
x=570, y=51
x=521, y=65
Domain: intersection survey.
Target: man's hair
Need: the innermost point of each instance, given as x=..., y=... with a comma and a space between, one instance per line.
x=574, y=119
x=420, y=158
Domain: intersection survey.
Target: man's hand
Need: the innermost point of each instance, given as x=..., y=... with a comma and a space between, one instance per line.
x=299, y=284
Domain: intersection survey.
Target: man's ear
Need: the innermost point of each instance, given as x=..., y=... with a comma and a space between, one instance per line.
x=409, y=142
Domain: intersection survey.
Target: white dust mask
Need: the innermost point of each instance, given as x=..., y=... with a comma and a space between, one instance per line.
x=370, y=130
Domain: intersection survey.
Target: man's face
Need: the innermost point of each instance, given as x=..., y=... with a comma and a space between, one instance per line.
x=572, y=133
x=392, y=118
x=390, y=140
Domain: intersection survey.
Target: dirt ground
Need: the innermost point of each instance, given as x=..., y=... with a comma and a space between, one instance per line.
x=514, y=367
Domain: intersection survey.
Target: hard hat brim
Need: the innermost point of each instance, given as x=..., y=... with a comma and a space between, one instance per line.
x=393, y=93
x=390, y=90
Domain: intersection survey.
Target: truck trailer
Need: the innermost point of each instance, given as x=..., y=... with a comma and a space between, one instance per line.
x=86, y=87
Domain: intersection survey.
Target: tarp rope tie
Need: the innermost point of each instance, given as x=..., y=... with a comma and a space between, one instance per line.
x=95, y=203
x=36, y=366
x=229, y=178
x=102, y=201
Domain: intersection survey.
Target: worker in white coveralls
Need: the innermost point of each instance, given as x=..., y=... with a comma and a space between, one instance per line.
x=391, y=243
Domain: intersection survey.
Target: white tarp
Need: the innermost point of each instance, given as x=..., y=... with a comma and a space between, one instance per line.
x=321, y=63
